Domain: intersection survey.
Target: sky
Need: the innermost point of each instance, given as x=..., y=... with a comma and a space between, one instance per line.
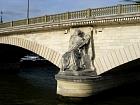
x=17, y=9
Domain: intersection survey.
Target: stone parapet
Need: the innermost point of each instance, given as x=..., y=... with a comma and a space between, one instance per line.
x=102, y=21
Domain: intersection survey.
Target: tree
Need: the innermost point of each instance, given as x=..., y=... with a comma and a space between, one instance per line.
x=135, y=1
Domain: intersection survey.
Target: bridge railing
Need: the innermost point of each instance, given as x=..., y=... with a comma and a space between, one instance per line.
x=78, y=14
x=36, y=20
x=19, y=22
x=57, y=17
x=105, y=11
x=130, y=8
x=88, y=13
x=7, y=24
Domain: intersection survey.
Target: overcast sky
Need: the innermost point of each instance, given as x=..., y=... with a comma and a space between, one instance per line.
x=17, y=9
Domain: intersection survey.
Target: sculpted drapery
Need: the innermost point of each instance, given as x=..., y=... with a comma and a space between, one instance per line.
x=77, y=58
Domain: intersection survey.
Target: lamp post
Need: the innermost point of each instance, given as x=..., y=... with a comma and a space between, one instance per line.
x=28, y=9
x=1, y=20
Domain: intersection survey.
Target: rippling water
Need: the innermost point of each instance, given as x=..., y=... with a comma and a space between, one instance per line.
x=37, y=86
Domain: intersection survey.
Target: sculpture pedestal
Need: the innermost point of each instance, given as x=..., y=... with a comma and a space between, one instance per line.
x=75, y=86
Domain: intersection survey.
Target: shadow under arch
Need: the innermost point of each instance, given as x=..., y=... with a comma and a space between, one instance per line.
x=38, y=81
x=125, y=74
x=131, y=67
x=121, y=84
x=43, y=51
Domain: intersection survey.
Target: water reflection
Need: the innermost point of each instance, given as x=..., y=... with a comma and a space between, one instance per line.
x=37, y=86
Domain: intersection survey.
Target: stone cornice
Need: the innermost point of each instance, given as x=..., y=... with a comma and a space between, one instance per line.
x=100, y=21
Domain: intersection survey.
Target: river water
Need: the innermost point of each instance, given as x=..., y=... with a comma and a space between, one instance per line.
x=37, y=86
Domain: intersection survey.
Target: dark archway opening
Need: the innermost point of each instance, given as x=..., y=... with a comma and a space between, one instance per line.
x=130, y=67
x=124, y=74
x=26, y=81
x=10, y=54
x=124, y=82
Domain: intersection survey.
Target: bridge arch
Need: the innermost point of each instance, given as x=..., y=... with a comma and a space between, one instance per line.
x=117, y=57
x=43, y=51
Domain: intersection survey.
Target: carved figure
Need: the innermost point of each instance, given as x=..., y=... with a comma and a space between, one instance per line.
x=77, y=58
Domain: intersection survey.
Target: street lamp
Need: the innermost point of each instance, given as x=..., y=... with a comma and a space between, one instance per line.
x=1, y=21
x=28, y=9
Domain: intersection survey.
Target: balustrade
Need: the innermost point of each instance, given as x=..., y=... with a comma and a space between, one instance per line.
x=89, y=13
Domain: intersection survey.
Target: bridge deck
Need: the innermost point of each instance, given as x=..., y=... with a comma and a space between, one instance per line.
x=113, y=14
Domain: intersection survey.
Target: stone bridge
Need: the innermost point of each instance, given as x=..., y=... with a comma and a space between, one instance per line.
x=115, y=33
x=115, y=40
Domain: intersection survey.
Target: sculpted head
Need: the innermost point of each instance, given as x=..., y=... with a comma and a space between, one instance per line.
x=79, y=33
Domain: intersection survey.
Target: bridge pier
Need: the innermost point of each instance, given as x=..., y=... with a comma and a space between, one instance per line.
x=76, y=85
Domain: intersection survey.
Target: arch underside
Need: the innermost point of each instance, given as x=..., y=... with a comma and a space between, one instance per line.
x=117, y=57
x=35, y=47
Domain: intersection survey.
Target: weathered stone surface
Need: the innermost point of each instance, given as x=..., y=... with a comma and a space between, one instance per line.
x=77, y=60
x=75, y=86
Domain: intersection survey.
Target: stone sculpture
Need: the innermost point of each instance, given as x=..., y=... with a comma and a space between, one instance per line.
x=77, y=77
x=76, y=60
